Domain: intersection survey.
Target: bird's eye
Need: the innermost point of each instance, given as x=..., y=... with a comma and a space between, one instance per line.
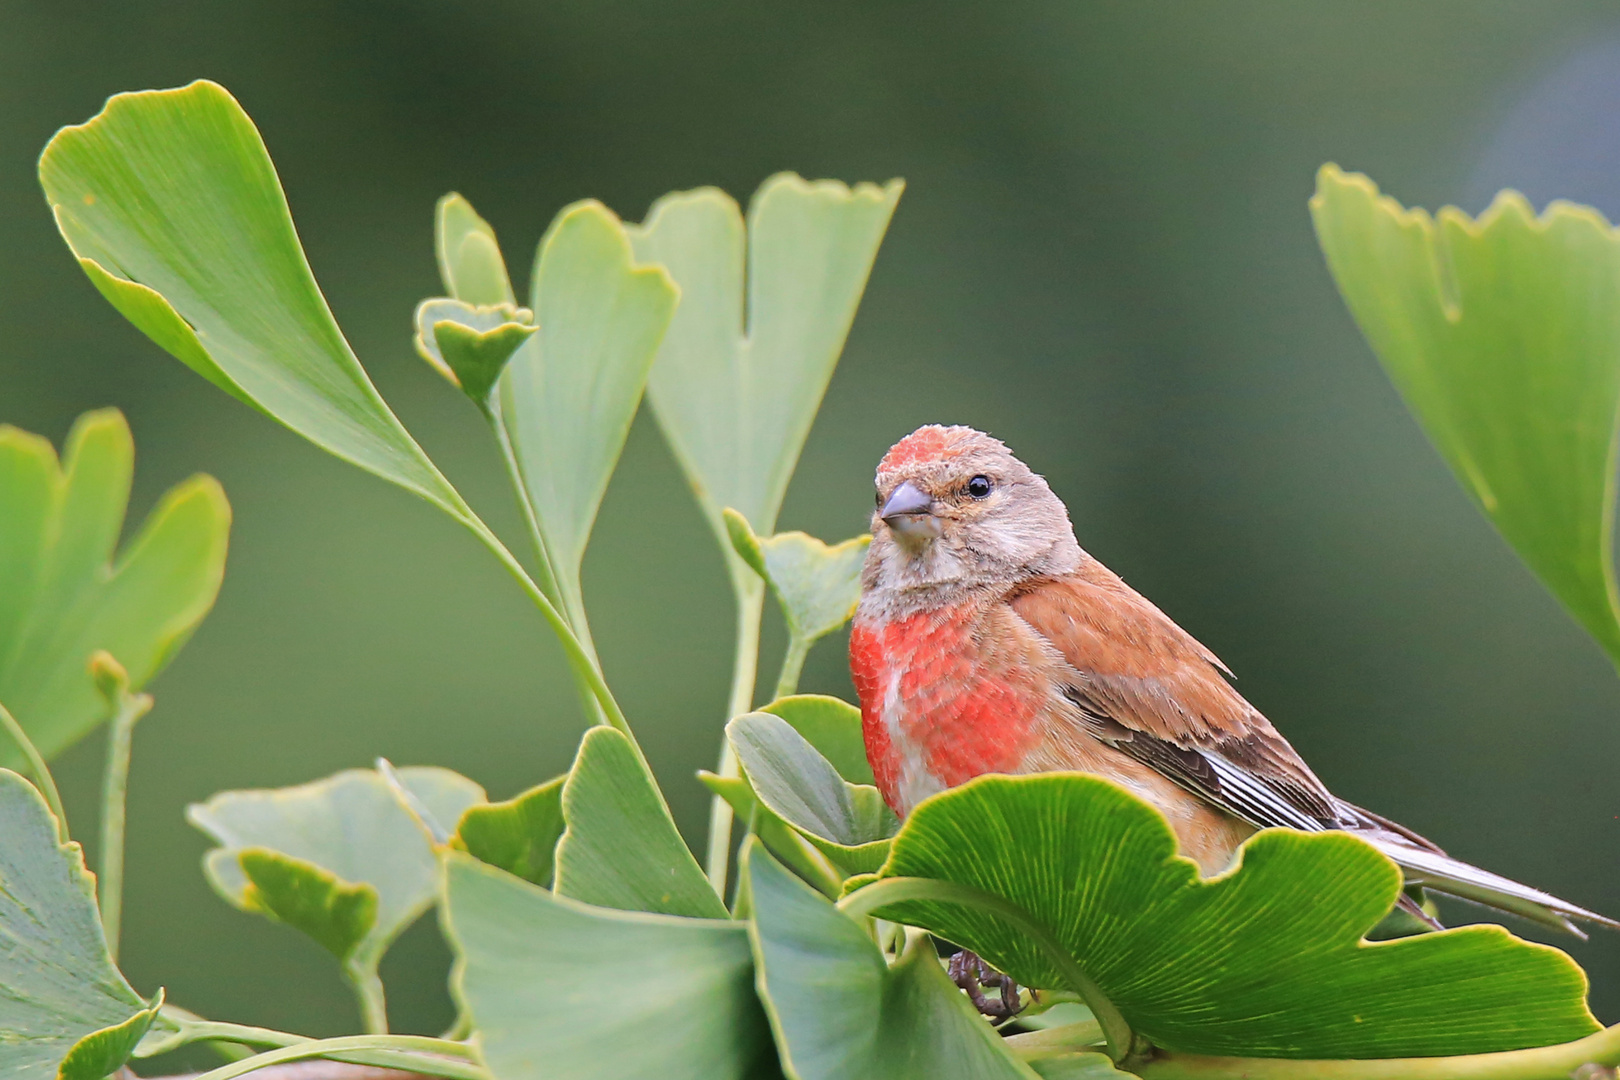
x=880, y=498
x=979, y=487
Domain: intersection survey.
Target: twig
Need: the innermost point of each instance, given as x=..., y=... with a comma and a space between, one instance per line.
x=309, y=1070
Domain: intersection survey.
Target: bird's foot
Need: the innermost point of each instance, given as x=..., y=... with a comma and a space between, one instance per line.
x=973, y=975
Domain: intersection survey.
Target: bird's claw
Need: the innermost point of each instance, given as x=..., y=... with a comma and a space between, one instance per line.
x=973, y=975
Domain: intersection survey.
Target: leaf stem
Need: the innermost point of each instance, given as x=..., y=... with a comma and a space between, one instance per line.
x=413, y=1053
x=881, y=894
x=750, y=593
x=787, y=683
x=1538, y=1063
x=567, y=601
x=129, y=708
x=593, y=688
x=369, y=994
x=37, y=766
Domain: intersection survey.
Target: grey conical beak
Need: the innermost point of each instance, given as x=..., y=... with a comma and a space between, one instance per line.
x=909, y=512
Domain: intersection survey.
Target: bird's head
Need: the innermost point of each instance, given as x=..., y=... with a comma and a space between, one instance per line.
x=957, y=511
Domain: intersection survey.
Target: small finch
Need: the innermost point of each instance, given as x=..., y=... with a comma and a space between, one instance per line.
x=987, y=641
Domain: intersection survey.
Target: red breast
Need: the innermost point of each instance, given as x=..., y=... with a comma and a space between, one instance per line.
x=940, y=702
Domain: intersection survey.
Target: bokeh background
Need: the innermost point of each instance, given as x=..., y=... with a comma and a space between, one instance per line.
x=1103, y=256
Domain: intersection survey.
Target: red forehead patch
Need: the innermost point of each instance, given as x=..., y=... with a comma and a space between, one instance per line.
x=931, y=443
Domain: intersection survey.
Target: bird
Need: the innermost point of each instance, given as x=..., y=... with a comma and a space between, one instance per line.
x=986, y=640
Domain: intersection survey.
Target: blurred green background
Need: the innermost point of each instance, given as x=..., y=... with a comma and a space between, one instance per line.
x=1103, y=256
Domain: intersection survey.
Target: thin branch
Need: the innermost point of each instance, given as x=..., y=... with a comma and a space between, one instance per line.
x=787, y=683
x=310, y=1070
x=750, y=591
x=428, y=1056
x=1538, y=1063
x=128, y=708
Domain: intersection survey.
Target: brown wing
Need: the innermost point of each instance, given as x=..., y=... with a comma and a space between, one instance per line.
x=1149, y=688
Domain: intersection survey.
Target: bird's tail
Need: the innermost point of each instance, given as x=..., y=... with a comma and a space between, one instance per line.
x=1425, y=864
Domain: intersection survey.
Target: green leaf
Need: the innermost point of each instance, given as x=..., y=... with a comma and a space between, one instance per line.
x=61, y=987
x=338, y=837
x=470, y=262
x=102, y=1053
x=63, y=593
x=519, y=835
x=569, y=395
x=172, y=207
x=1265, y=960
x=841, y=1013
x=621, y=848
x=833, y=727
x=1502, y=335
x=643, y=997
x=470, y=346
x=848, y=823
x=338, y=915
x=818, y=586
x=783, y=841
x=763, y=316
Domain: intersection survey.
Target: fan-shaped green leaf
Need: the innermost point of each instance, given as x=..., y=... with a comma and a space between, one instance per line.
x=817, y=585
x=621, y=848
x=519, y=835
x=102, y=1053
x=1503, y=336
x=1266, y=960
x=61, y=989
x=786, y=843
x=470, y=346
x=833, y=727
x=63, y=594
x=558, y=988
x=337, y=914
x=841, y=1013
x=764, y=312
x=569, y=394
x=848, y=823
x=170, y=202
x=338, y=837
x=470, y=262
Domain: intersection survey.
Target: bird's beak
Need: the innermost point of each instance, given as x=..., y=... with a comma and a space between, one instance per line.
x=909, y=512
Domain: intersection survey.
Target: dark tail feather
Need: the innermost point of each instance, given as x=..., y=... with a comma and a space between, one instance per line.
x=1425, y=864
x=1443, y=874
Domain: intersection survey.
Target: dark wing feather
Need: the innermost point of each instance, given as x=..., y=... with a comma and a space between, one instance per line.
x=1150, y=689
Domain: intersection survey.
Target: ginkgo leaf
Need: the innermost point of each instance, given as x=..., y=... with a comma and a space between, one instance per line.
x=339, y=837
x=1265, y=960
x=63, y=996
x=558, y=988
x=470, y=346
x=64, y=595
x=620, y=848
x=470, y=262
x=568, y=396
x=518, y=835
x=848, y=823
x=841, y=1013
x=170, y=202
x=818, y=585
x=1501, y=334
x=765, y=307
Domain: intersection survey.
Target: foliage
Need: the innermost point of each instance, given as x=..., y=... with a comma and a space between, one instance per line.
x=588, y=938
x=1265, y=960
x=63, y=595
x=1501, y=333
x=62, y=989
